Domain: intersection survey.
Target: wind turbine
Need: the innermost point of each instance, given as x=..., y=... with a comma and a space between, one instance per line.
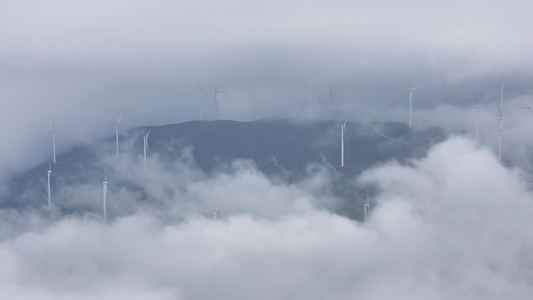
x=366, y=206
x=116, y=131
x=528, y=107
x=53, y=134
x=216, y=212
x=201, y=102
x=411, y=90
x=502, y=86
x=49, y=172
x=145, y=148
x=216, y=101
x=500, y=135
x=343, y=131
x=104, y=194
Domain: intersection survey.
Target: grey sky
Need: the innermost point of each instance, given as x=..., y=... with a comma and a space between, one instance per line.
x=88, y=61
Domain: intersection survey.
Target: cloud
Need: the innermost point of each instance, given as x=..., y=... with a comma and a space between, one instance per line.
x=455, y=224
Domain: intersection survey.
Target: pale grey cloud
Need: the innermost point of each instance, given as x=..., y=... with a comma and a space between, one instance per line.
x=455, y=224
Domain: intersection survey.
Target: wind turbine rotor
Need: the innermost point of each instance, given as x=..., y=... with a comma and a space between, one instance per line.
x=528, y=107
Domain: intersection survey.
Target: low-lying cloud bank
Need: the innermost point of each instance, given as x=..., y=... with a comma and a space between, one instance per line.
x=455, y=224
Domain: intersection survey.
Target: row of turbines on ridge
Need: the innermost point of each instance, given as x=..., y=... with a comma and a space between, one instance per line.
x=216, y=212
x=105, y=183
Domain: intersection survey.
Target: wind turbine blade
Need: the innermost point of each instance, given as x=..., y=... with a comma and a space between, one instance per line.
x=119, y=118
x=148, y=134
x=529, y=108
x=48, y=135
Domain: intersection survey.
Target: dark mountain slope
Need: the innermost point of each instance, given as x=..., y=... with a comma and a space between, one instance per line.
x=281, y=148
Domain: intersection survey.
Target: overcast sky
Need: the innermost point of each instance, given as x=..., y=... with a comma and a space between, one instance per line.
x=88, y=61
x=454, y=225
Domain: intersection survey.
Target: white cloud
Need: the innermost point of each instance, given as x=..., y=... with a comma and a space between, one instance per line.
x=455, y=224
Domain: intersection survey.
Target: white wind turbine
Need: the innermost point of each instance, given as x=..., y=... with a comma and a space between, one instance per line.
x=411, y=91
x=116, y=131
x=145, y=148
x=53, y=134
x=528, y=107
x=216, y=212
x=502, y=86
x=343, y=132
x=49, y=172
x=104, y=194
x=500, y=135
x=216, y=101
x=366, y=206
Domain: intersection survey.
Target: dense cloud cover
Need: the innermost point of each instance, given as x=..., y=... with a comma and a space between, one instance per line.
x=455, y=224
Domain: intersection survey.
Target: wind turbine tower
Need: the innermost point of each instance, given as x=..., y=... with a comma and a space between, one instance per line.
x=343, y=132
x=145, y=148
x=502, y=86
x=216, y=212
x=366, y=206
x=116, y=131
x=216, y=101
x=53, y=134
x=104, y=195
x=411, y=91
x=49, y=172
x=500, y=135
